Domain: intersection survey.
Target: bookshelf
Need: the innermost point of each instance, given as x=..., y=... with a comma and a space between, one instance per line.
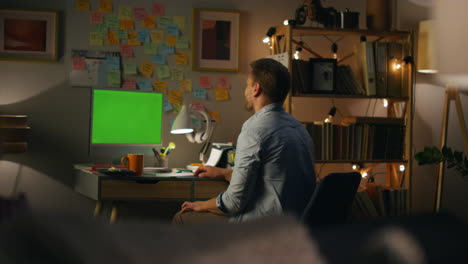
x=315, y=42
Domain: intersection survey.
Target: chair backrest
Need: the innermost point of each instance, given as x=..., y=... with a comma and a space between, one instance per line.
x=332, y=199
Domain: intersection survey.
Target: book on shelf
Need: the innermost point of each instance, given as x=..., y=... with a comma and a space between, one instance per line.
x=380, y=201
x=380, y=49
x=300, y=76
x=348, y=120
x=366, y=66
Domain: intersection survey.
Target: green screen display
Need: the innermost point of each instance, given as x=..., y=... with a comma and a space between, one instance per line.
x=126, y=117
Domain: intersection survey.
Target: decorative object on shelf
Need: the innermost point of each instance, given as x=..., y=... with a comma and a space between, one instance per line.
x=29, y=35
x=426, y=57
x=322, y=75
x=454, y=159
x=452, y=70
x=347, y=19
x=216, y=36
x=314, y=11
x=379, y=14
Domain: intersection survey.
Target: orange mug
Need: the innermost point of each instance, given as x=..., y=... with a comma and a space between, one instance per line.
x=134, y=162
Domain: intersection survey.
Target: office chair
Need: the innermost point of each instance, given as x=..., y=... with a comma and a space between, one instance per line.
x=332, y=199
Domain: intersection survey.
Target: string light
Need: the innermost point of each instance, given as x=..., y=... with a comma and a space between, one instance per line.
x=297, y=53
x=402, y=167
x=330, y=116
x=271, y=31
x=396, y=64
x=364, y=174
x=385, y=103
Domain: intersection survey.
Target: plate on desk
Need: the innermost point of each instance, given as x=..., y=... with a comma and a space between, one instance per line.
x=119, y=172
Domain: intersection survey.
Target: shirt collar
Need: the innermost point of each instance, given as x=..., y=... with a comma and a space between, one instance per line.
x=269, y=108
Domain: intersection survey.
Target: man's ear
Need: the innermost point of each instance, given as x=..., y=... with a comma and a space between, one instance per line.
x=257, y=89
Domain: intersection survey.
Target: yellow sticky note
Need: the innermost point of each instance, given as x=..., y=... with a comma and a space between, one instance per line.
x=175, y=97
x=180, y=21
x=105, y=6
x=125, y=12
x=160, y=86
x=146, y=68
x=222, y=94
x=171, y=41
x=181, y=58
x=186, y=85
x=133, y=39
x=95, y=39
x=149, y=22
x=126, y=24
x=215, y=116
x=82, y=5
x=157, y=36
x=112, y=38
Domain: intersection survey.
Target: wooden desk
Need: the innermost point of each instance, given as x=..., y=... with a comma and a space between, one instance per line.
x=147, y=187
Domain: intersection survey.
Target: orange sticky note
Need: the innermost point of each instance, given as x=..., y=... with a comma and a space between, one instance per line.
x=160, y=86
x=149, y=22
x=222, y=94
x=82, y=5
x=223, y=82
x=126, y=50
x=133, y=39
x=171, y=41
x=157, y=36
x=205, y=82
x=175, y=97
x=185, y=85
x=146, y=69
x=126, y=24
x=215, y=116
x=181, y=58
x=105, y=6
x=112, y=38
x=96, y=17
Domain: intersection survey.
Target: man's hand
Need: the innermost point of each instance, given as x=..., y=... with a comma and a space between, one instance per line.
x=213, y=173
x=198, y=206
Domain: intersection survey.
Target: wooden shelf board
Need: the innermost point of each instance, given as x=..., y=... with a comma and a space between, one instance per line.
x=404, y=98
x=310, y=31
x=361, y=161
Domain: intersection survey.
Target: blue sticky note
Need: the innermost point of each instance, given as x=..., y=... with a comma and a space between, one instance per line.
x=172, y=29
x=143, y=35
x=199, y=92
x=112, y=63
x=145, y=85
x=159, y=59
x=167, y=107
x=164, y=49
x=163, y=21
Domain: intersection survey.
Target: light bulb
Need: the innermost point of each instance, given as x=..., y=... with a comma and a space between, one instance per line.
x=266, y=40
x=354, y=166
x=296, y=55
x=364, y=174
x=402, y=167
x=396, y=65
x=285, y=22
x=385, y=103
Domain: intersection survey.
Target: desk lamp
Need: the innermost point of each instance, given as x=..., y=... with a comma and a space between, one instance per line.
x=183, y=125
x=451, y=42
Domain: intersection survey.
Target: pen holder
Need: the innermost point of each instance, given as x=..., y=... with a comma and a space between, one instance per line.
x=164, y=162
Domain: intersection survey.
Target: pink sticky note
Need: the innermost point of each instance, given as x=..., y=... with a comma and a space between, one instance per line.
x=129, y=84
x=158, y=9
x=198, y=106
x=96, y=17
x=205, y=82
x=78, y=63
x=139, y=13
x=126, y=50
x=223, y=82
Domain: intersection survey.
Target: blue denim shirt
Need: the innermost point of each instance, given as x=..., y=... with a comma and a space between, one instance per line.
x=274, y=167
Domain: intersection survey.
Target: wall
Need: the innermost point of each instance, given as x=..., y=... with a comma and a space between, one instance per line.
x=59, y=113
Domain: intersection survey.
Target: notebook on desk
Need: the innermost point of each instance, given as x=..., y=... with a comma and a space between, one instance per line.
x=175, y=174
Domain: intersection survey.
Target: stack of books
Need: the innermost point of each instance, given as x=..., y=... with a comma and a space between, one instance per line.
x=379, y=201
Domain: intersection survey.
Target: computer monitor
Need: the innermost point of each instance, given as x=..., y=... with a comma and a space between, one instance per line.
x=124, y=121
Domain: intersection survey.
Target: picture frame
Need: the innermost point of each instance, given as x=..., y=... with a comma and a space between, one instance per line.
x=29, y=35
x=322, y=75
x=215, y=40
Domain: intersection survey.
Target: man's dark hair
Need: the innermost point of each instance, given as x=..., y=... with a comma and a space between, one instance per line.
x=273, y=77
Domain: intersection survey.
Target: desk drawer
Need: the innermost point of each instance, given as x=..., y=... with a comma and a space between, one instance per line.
x=209, y=189
x=131, y=189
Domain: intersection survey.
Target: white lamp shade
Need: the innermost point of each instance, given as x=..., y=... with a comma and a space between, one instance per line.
x=426, y=47
x=182, y=123
x=451, y=25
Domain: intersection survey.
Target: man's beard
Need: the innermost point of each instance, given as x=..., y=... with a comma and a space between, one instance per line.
x=248, y=106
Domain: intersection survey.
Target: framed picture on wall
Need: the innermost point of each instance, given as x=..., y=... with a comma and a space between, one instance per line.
x=215, y=40
x=28, y=34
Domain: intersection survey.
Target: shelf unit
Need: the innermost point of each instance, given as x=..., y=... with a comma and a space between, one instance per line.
x=288, y=37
